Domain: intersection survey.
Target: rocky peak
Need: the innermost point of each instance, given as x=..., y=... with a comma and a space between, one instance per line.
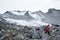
x=8, y=12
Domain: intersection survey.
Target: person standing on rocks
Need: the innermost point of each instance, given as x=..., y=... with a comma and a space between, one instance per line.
x=47, y=29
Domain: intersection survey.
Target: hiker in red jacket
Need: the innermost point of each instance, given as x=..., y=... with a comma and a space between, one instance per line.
x=47, y=29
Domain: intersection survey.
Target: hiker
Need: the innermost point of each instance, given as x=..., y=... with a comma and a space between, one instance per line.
x=47, y=29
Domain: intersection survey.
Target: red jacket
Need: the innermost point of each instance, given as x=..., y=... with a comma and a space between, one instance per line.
x=47, y=28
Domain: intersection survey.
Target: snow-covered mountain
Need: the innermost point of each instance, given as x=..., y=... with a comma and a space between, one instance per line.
x=52, y=17
x=9, y=14
x=24, y=17
x=32, y=18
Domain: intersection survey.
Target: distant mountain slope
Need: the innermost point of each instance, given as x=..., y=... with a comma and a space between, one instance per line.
x=39, y=13
x=52, y=17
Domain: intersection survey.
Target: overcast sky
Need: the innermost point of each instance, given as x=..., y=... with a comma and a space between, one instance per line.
x=31, y=5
